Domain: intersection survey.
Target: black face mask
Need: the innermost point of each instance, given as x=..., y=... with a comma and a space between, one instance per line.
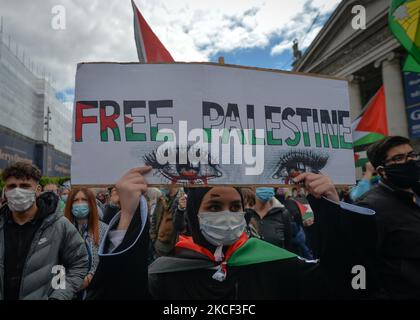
x=404, y=175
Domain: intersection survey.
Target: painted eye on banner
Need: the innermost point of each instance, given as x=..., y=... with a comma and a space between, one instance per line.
x=295, y=162
x=191, y=172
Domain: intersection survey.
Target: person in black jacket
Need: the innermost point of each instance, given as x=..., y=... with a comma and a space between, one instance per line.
x=395, y=253
x=273, y=221
x=112, y=207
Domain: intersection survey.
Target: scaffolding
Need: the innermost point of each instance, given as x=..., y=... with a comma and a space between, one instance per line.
x=26, y=95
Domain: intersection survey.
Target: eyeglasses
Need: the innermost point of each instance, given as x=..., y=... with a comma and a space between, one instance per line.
x=402, y=158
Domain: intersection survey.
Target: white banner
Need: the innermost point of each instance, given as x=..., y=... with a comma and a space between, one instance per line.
x=208, y=124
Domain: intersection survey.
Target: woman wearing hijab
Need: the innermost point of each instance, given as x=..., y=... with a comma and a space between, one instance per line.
x=219, y=261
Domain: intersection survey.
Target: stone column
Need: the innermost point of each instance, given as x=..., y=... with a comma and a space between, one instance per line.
x=394, y=94
x=354, y=96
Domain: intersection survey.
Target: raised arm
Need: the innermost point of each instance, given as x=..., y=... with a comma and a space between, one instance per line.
x=122, y=269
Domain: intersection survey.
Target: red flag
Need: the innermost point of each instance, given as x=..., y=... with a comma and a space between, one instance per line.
x=149, y=47
x=374, y=118
x=370, y=126
x=302, y=207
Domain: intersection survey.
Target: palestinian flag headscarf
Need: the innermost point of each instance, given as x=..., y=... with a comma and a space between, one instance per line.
x=192, y=253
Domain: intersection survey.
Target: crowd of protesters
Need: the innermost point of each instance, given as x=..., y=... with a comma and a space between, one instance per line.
x=132, y=241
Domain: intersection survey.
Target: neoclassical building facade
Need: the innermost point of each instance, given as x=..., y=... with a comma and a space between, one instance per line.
x=368, y=58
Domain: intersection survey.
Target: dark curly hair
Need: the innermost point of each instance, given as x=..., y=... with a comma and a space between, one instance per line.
x=22, y=170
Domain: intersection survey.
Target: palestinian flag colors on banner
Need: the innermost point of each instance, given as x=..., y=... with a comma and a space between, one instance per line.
x=149, y=47
x=404, y=17
x=369, y=127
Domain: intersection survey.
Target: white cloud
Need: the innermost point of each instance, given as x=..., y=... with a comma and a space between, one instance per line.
x=304, y=26
x=281, y=47
x=192, y=30
x=310, y=37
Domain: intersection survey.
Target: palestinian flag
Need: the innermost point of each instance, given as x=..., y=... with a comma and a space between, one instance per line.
x=404, y=17
x=370, y=126
x=149, y=47
x=305, y=210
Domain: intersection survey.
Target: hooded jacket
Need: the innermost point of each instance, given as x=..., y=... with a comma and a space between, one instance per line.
x=55, y=243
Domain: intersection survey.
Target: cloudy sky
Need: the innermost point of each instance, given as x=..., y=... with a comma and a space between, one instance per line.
x=247, y=32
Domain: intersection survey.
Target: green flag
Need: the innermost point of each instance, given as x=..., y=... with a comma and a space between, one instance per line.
x=404, y=18
x=411, y=65
x=258, y=251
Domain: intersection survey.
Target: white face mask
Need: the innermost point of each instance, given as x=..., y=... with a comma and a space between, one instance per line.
x=222, y=228
x=20, y=200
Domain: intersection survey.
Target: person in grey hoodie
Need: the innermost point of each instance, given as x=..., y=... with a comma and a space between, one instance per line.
x=42, y=255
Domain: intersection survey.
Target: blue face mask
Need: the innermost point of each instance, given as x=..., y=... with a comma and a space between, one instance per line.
x=264, y=194
x=80, y=210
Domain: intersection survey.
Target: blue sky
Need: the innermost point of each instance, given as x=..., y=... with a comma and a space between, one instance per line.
x=263, y=57
x=256, y=57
